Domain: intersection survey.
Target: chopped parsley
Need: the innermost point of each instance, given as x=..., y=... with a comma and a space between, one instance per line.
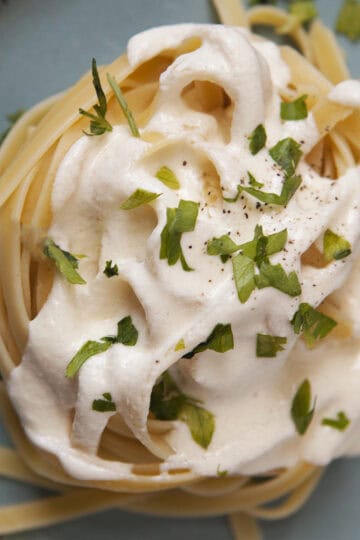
x=268, y=346
x=275, y=276
x=180, y=345
x=12, y=118
x=244, y=276
x=335, y=247
x=341, y=422
x=312, y=324
x=287, y=154
x=98, y=122
x=289, y=188
x=169, y=403
x=104, y=405
x=294, y=110
x=168, y=177
x=124, y=106
x=178, y=221
x=127, y=334
x=348, y=20
x=220, y=340
x=111, y=269
x=66, y=263
x=137, y=198
x=301, y=411
x=253, y=182
x=256, y=251
x=257, y=139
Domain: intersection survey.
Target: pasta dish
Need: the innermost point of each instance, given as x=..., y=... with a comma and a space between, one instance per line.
x=179, y=301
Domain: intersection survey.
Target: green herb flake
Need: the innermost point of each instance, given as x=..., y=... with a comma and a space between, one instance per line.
x=89, y=349
x=12, y=118
x=124, y=105
x=98, y=123
x=348, y=20
x=104, y=405
x=335, y=247
x=111, y=269
x=168, y=178
x=221, y=246
x=180, y=345
x=275, y=243
x=253, y=182
x=268, y=346
x=220, y=340
x=289, y=188
x=257, y=139
x=65, y=262
x=178, y=221
x=200, y=422
x=169, y=403
x=244, y=276
x=139, y=197
x=127, y=335
x=287, y=154
x=275, y=276
x=301, y=411
x=294, y=110
x=222, y=474
x=312, y=324
x=341, y=422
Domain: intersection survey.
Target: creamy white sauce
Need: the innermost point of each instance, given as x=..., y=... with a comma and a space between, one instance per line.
x=249, y=396
x=346, y=93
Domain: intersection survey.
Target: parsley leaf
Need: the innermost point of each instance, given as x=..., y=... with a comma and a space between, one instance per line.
x=220, y=340
x=253, y=182
x=335, y=247
x=257, y=139
x=275, y=276
x=312, y=324
x=224, y=245
x=294, y=110
x=124, y=106
x=12, y=118
x=200, y=421
x=178, y=221
x=110, y=269
x=169, y=403
x=221, y=246
x=168, y=178
x=301, y=413
x=137, y=198
x=98, y=124
x=290, y=186
x=340, y=423
x=180, y=345
x=65, y=262
x=268, y=346
x=348, y=20
x=104, y=405
x=287, y=154
x=127, y=334
x=89, y=349
x=301, y=11
x=244, y=276
x=274, y=243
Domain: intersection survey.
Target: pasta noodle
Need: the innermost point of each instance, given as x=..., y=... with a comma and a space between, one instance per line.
x=29, y=160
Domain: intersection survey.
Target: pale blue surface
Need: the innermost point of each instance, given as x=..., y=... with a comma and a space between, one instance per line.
x=45, y=45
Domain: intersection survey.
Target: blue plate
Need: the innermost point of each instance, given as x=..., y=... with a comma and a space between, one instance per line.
x=45, y=45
